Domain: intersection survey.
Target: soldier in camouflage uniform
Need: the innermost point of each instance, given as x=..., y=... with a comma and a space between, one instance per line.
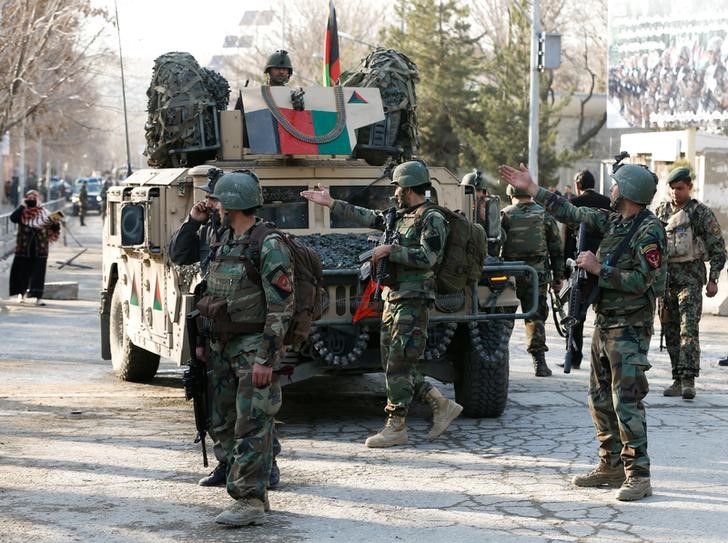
x=246, y=344
x=190, y=244
x=278, y=68
x=533, y=236
x=407, y=299
x=636, y=239
x=476, y=183
x=693, y=235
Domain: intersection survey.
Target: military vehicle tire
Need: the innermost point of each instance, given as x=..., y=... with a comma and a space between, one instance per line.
x=131, y=363
x=482, y=387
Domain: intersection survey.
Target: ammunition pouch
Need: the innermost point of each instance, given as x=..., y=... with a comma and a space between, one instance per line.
x=214, y=315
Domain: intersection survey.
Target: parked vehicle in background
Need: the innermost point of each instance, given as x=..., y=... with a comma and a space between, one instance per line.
x=93, y=194
x=58, y=188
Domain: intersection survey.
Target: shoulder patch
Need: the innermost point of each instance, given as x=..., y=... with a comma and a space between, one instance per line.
x=652, y=255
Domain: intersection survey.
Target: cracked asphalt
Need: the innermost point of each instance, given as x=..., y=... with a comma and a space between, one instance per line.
x=85, y=457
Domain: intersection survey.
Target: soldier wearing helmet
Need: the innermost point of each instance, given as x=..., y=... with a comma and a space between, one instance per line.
x=278, y=68
x=533, y=237
x=250, y=310
x=477, y=184
x=407, y=298
x=631, y=271
x=694, y=236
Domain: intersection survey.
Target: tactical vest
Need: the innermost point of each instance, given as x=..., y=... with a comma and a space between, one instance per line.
x=682, y=244
x=526, y=239
x=228, y=278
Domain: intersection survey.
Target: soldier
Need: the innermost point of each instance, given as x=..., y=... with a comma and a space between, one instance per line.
x=278, y=68
x=477, y=183
x=82, y=202
x=533, y=236
x=587, y=197
x=693, y=235
x=632, y=275
x=407, y=300
x=246, y=344
x=189, y=244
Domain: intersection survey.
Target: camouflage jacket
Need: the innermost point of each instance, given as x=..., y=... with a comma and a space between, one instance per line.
x=271, y=302
x=191, y=243
x=705, y=227
x=629, y=288
x=416, y=253
x=540, y=249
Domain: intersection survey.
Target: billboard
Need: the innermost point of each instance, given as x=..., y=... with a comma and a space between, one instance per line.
x=668, y=64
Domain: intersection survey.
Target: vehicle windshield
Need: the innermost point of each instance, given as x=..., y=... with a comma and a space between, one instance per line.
x=93, y=185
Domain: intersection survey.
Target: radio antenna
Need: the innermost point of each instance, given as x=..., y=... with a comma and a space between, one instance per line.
x=123, y=91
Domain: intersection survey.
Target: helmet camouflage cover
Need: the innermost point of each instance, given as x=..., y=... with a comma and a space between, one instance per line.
x=279, y=59
x=239, y=190
x=411, y=174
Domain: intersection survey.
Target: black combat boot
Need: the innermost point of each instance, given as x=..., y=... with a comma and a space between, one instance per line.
x=217, y=477
x=539, y=364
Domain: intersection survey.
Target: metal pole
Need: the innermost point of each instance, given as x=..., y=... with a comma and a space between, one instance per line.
x=123, y=92
x=533, y=111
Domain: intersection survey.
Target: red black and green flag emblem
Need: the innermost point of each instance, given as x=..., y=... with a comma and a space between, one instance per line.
x=332, y=66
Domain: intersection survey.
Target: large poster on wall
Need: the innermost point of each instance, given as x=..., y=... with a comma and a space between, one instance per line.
x=668, y=62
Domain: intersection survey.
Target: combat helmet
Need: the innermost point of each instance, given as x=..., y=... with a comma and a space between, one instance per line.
x=475, y=179
x=636, y=182
x=239, y=190
x=213, y=174
x=279, y=59
x=513, y=191
x=411, y=174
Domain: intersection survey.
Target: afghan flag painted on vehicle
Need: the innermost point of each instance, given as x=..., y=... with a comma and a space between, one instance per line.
x=332, y=66
x=325, y=126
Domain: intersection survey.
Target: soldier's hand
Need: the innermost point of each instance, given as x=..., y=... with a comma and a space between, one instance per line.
x=711, y=289
x=262, y=375
x=199, y=211
x=380, y=252
x=588, y=261
x=320, y=196
x=520, y=178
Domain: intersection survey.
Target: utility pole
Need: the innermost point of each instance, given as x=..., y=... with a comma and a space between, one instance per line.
x=533, y=110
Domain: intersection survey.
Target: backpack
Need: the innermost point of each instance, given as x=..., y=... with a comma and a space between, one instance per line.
x=182, y=127
x=464, y=251
x=527, y=233
x=307, y=280
x=395, y=75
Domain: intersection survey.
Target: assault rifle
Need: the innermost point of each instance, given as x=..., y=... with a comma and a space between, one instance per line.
x=194, y=380
x=577, y=311
x=388, y=238
x=663, y=312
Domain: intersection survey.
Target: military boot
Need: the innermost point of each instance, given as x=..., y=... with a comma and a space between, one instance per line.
x=243, y=512
x=675, y=389
x=688, y=388
x=444, y=411
x=722, y=362
x=634, y=488
x=539, y=365
x=602, y=475
x=217, y=477
x=393, y=433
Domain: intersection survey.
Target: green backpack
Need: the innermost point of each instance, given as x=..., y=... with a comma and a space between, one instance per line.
x=464, y=252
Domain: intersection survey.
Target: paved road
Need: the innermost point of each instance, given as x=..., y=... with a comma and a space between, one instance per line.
x=85, y=457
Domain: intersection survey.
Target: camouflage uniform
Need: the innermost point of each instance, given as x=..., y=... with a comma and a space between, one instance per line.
x=407, y=300
x=543, y=252
x=624, y=317
x=242, y=415
x=683, y=303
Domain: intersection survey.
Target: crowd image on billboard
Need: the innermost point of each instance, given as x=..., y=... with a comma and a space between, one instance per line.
x=668, y=72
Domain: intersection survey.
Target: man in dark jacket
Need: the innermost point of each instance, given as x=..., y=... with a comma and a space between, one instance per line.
x=587, y=197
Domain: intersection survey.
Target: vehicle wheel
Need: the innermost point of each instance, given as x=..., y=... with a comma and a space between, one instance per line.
x=482, y=386
x=131, y=363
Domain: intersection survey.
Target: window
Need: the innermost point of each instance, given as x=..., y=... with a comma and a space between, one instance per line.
x=285, y=207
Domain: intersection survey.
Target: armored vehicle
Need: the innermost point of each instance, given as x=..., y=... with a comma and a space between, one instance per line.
x=145, y=298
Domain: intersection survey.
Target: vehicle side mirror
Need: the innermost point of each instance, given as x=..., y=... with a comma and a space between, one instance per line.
x=492, y=218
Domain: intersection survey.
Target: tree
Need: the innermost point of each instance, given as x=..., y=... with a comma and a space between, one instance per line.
x=435, y=34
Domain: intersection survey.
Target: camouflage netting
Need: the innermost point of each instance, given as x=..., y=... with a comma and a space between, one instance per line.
x=337, y=250
x=396, y=76
x=184, y=101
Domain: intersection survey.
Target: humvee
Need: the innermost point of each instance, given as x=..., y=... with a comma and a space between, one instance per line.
x=145, y=297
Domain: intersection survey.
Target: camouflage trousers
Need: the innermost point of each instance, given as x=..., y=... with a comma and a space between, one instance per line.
x=535, y=327
x=617, y=386
x=680, y=320
x=242, y=417
x=403, y=339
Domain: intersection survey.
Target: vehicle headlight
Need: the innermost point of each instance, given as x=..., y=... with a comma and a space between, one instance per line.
x=74, y=198
x=98, y=198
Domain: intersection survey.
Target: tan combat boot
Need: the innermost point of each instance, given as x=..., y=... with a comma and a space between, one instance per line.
x=393, y=433
x=602, y=475
x=243, y=512
x=688, y=388
x=634, y=488
x=444, y=411
x=675, y=389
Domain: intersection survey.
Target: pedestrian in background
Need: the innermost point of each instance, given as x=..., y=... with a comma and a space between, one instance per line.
x=36, y=230
x=82, y=202
x=632, y=274
x=693, y=236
